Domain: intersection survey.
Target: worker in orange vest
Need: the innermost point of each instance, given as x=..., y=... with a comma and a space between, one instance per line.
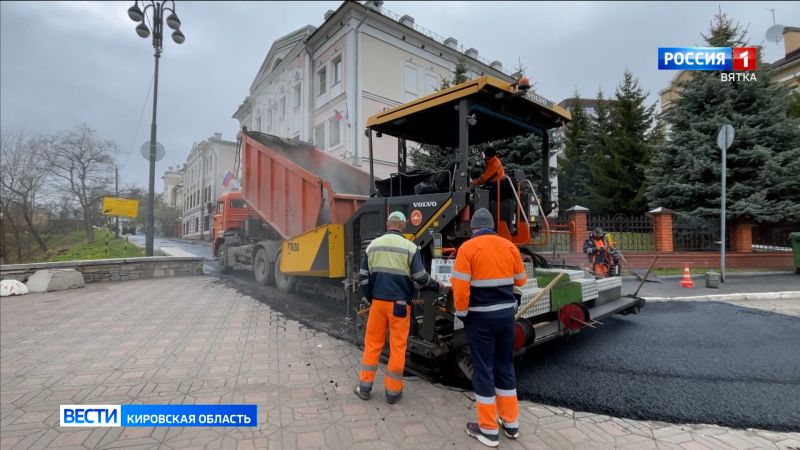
x=596, y=247
x=486, y=270
x=493, y=170
x=388, y=271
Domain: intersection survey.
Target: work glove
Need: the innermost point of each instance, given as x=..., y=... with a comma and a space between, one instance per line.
x=364, y=304
x=517, y=295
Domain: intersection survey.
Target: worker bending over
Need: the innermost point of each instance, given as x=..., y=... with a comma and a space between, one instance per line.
x=486, y=270
x=386, y=274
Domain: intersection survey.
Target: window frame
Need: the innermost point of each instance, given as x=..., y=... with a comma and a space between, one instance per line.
x=336, y=70
x=333, y=123
x=322, y=83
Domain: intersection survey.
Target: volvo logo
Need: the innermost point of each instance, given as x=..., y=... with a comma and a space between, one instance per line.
x=425, y=204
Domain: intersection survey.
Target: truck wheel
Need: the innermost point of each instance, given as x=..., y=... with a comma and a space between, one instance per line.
x=284, y=283
x=262, y=268
x=222, y=259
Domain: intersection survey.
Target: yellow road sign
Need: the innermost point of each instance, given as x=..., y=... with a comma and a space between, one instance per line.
x=114, y=206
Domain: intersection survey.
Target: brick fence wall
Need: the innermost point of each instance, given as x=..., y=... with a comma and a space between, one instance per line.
x=741, y=254
x=118, y=269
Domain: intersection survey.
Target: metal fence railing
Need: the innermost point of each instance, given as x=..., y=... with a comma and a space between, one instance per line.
x=774, y=236
x=629, y=233
x=691, y=233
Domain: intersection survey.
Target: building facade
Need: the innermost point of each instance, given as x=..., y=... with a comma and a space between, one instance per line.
x=173, y=187
x=203, y=178
x=321, y=84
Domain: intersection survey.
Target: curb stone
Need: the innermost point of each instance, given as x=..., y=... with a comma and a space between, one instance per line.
x=732, y=297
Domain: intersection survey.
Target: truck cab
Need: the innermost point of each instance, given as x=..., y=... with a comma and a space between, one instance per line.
x=229, y=214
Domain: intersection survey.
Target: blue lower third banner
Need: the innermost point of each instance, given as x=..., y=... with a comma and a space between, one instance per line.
x=159, y=415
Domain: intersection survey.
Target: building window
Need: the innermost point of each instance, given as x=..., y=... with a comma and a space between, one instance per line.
x=282, y=110
x=409, y=83
x=321, y=79
x=196, y=224
x=319, y=136
x=337, y=70
x=269, y=120
x=334, y=132
x=296, y=95
x=256, y=125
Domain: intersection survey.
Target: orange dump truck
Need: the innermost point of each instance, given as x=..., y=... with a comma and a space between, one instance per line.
x=290, y=220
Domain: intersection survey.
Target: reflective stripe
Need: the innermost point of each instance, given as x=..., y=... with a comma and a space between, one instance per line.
x=394, y=376
x=489, y=432
x=364, y=272
x=390, y=270
x=364, y=282
x=369, y=368
x=491, y=282
x=365, y=386
x=384, y=248
x=485, y=400
x=401, y=302
x=419, y=274
x=491, y=307
x=461, y=276
x=514, y=424
x=390, y=392
x=520, y=276
x=505, y=392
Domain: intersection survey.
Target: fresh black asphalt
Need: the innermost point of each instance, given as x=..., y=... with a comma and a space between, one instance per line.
x=682, y=362
x=677, y=361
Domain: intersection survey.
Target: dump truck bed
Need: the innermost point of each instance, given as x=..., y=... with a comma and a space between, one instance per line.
x=296, y=187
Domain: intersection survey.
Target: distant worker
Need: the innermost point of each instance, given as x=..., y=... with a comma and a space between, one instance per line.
x=388, y=271
x=602, y=254
x=486, y=270
x=595, y=243
x=493, y=169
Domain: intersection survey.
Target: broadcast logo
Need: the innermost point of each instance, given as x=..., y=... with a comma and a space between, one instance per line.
x=159, y=415
x=733, y=63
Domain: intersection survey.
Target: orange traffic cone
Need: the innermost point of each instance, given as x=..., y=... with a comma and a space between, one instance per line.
x=687, y=282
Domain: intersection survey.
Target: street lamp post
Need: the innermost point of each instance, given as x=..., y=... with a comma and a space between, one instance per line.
x=136, y=14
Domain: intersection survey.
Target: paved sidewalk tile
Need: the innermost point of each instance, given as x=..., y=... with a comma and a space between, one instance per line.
x=192, y=340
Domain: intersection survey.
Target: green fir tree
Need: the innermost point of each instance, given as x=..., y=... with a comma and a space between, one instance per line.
x=574, y=174
x=622, y=151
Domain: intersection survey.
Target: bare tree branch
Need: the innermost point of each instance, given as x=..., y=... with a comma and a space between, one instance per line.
x=83, y=165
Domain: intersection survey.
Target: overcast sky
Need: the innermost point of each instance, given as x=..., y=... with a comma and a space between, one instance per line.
x=65, y=63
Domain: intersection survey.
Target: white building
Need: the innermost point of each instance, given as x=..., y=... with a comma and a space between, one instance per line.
x=173, y=187
x=204, y=173
x=321, y=84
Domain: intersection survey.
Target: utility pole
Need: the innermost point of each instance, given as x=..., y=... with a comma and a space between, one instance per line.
x=116, y=190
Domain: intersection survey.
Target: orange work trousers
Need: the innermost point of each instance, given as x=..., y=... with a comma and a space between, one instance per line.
x=382, y=319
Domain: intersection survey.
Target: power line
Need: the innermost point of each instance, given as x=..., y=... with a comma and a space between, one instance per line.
x=139, y=123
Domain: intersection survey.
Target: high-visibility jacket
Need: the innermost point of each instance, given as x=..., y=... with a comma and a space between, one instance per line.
x=390, y=265
x=486, y=269
x=494, y=172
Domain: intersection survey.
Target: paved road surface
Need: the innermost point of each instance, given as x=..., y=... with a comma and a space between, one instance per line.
x=680, y=362
x=180, y=247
